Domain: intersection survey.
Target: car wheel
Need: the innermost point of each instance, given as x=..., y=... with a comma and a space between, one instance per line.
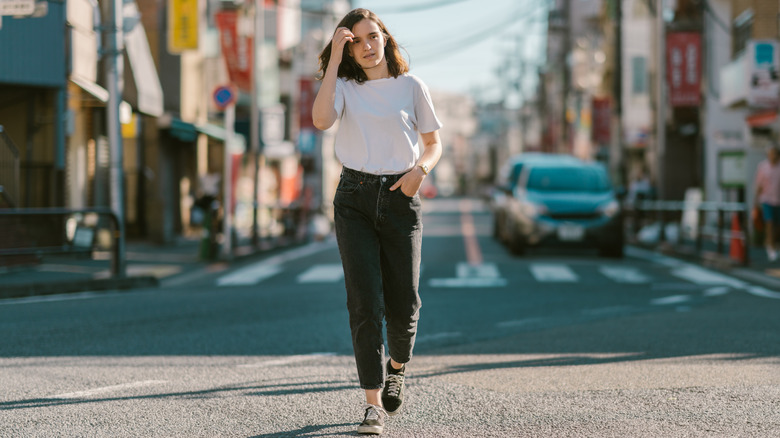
x=516, y=245
x=612, y=251
x=496, y=228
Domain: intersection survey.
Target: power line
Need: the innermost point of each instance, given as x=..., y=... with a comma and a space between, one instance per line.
x=416, y=8
x=467, y=41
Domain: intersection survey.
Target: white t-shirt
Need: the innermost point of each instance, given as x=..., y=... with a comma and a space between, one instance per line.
x=380, y=122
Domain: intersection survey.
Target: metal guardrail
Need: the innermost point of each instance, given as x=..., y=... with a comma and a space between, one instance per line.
x=118, y=263
x=664, y=212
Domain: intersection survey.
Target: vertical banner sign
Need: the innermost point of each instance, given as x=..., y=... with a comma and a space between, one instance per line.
x=306, y=103
x=236, y=49
x=602, y=121
x=683, y=68
x=182, y=25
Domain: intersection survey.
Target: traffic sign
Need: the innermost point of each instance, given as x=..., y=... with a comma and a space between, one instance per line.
x=224, y=96
x=17, y=7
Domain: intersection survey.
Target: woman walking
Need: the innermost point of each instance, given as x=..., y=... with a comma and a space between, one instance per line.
x=383, y=112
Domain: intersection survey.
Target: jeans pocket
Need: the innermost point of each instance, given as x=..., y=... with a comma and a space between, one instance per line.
x=347, y=186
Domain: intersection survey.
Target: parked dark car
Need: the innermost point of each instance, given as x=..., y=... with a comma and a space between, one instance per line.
x=507, y=181
x=564, y=203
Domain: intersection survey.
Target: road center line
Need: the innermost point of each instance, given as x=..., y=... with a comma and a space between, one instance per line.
x=106, y=389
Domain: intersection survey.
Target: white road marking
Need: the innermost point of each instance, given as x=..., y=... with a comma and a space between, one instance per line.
x=674, y=299
x=654, y=257
x=705, y=277
x=107, y=389
x=624, y=274
x=53, y=298
x=716, y=291
x=286, y=360
x=763, y=292
x=248, y=275
x=475, y=276
x=271, y=266
x=322, y=274
x=438, y=336
x=467, y=282
x=484, y=270
x=519, y=322
x=553, y=273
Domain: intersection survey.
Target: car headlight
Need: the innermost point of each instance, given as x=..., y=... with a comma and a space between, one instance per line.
x=611, y=208
x=532, y=210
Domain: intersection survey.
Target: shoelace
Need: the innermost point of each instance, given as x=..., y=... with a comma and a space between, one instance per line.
x=394, y=383
x=374, y=412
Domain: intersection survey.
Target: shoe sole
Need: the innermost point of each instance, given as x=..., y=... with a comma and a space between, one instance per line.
x=395, y=412
x=370, y=430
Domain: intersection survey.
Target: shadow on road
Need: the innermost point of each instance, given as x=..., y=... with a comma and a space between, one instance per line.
x=219, y=392
x=309, y=431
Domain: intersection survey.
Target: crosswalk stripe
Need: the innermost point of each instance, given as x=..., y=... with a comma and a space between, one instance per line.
x=322, y=274
x=705, y=277
x=553, y=273
x=249, y=275
x=624, y=274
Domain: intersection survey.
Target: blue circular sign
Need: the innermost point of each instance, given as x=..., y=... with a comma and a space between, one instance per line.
x=224, y=96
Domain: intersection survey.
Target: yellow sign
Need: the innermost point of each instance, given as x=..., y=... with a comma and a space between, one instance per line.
x=182, y=25
x=130, y=129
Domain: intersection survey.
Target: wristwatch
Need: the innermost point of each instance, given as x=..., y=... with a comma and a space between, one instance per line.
x=424, y=168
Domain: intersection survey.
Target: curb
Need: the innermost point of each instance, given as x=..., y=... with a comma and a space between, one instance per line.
x=90, y=285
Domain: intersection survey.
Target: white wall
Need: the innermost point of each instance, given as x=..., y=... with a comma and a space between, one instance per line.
x=724, y=128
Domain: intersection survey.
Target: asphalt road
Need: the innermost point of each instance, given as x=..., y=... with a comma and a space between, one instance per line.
x=558, y=343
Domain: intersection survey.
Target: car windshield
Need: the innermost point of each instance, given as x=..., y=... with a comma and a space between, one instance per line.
x=568, y=179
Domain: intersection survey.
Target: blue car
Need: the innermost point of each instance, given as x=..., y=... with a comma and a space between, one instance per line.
x=506, y=182
x=564, y=203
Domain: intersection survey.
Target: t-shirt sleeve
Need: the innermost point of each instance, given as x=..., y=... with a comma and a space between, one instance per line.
x=338, y=103
x=423, y=108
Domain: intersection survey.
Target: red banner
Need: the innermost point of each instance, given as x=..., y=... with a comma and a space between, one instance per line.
x=683, y=68
x=602, y=120
x=236, y=49
x=306, y=103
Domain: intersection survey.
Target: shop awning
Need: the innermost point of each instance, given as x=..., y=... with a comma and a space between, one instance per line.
x=92, y=88
x=213, y=131
x=150, y=95
x=182, y=130
x=764, y=118
x=101, y=94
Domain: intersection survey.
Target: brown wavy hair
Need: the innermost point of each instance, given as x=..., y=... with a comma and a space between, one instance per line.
x=349, y=68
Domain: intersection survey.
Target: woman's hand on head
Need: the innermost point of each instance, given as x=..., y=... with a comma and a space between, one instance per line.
x=341, y=37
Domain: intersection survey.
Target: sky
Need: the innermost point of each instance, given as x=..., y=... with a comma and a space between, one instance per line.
x=459, y=45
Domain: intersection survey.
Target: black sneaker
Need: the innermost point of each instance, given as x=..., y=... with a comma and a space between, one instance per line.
x=374, y=421
x=393, y=393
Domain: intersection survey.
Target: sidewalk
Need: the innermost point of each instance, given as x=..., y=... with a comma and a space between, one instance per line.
x=148, y=265
x=759, y=269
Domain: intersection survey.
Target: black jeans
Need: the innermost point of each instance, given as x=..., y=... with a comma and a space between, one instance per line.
x=379, y=234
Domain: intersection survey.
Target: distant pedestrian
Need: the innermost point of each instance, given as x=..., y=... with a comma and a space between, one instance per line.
x=768, y=196
x=383, y=110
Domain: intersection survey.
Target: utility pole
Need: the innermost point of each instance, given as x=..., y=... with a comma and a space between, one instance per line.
x=616, y=156
x=660, y=110
x=255, y=136
x=566, y=82
x=115, y=85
